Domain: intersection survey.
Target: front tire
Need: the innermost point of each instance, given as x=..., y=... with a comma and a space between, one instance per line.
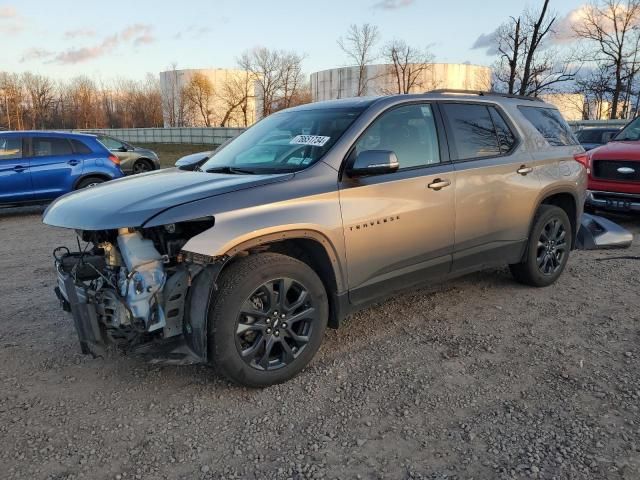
x=266, y=320
x=89, y=182
x=547, y=250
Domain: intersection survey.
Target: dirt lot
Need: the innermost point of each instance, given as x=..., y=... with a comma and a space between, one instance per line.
x=482, y=379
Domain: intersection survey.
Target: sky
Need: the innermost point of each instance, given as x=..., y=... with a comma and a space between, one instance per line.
x=64, y=38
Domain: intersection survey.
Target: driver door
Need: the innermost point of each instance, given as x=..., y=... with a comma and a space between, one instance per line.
x=399, y=227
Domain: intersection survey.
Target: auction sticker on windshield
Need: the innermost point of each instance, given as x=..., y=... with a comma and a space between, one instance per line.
x=313, y=140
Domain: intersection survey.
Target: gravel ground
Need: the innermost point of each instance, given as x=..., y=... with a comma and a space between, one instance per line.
x=479, y=379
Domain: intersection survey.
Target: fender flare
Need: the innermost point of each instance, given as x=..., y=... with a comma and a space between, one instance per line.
x=195, y=326
x=274, y=237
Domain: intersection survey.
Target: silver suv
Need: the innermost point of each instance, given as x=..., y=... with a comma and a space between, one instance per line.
x=312, y=213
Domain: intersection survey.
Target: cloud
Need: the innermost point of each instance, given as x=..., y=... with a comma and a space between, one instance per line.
x=133, y=35
x=7, y=12
x=79, y=55
x=392, y=4
x=35, y=54
x=10, y=21
x=194, y=31
x=140, y=34
x=564, y=27
x=487, y=42
x=80, y=32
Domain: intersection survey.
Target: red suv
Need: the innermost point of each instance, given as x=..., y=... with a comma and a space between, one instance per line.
x=614, y=172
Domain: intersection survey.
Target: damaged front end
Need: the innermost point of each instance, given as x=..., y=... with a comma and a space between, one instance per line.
x=131, y=289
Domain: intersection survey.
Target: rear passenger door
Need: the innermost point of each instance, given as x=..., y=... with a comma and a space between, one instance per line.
x=54, y=166
x=496, y=186
x=15, y=178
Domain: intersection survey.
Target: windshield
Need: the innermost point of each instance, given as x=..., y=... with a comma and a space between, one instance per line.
x=630, y=133
x=283, y=142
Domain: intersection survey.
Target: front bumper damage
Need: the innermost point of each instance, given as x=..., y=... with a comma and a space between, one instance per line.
x=597, y=232
x=183, y=339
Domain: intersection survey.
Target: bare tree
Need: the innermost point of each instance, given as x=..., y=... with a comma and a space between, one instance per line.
x=510, y=43
x=358, y=45
x=278, y=75
x=41, y=93
x=199, y=93
x=173, y=98
x=14, y=100
x=83, y=96
x=612, y=25
x=407, y=65
x=527, y=65
x=235, y=96
x=292, y=78
x=595, y=85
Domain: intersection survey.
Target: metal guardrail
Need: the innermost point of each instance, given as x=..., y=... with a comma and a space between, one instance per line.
x=578, y=124
x=189, y=135
x=218, y=135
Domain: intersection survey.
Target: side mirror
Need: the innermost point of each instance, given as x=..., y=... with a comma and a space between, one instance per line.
x=608, y=136
x=374, y=162
x=123, y=148
x=193, y=161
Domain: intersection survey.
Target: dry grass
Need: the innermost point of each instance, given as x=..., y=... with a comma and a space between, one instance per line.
x=170, y=152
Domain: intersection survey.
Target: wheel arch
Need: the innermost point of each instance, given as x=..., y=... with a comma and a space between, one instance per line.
x=144, y=159
x=568, y=202
x=101, y=176
x=309, y=246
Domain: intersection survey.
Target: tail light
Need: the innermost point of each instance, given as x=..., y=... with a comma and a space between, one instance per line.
x=585, y=159
x=114, y=159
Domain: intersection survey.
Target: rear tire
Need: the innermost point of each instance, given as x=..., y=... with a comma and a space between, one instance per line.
x=266, y=320
x=142, y=165
x=547, y=249
x=89, y=182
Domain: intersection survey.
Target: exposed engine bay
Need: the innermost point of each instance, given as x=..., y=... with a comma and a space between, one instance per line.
x=128, y=287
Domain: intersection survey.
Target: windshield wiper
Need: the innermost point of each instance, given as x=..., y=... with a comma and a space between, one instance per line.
x=230, y=170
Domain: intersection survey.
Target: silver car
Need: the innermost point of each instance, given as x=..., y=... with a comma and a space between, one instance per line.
x=132, y=159
x=311, y=214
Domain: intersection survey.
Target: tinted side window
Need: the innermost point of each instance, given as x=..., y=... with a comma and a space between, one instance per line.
x=408, y=131
x=550, y=124
x=80, y=147
x=110, y=143
x=50, y=146
x=473, y=132
x=10, y=147
x=506, y=138
x=589, y=136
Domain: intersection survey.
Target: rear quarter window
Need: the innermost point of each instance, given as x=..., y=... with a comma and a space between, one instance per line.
x=550, y=124
x=80, y=147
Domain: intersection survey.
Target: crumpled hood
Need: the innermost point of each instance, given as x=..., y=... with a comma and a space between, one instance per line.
x=617, y=151
x=131, y=201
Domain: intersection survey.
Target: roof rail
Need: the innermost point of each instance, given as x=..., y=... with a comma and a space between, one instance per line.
x=485, y=94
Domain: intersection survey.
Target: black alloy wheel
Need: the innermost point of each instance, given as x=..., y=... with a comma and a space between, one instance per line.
x=266, y=319
x=275, y=324
x=552, y=246
x=142, y=166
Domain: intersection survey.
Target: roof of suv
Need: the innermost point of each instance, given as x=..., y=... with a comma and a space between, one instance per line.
x=464, y=95
x=47, y=133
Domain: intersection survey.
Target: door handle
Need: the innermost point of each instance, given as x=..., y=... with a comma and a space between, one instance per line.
x=439, y=184
x=73, y=163
x=524, y=170
x=19, y=168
